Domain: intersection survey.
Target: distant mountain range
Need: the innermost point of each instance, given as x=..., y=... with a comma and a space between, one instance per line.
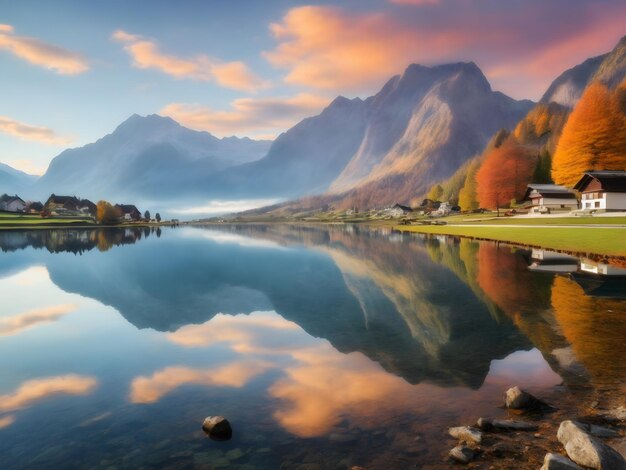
x=14, y=181
x=418, y=130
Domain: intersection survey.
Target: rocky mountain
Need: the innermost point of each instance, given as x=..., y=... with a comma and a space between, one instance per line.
x=145, y=157
x=14, y=181
x=609, y=68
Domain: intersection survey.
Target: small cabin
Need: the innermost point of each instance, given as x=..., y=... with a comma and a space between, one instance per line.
x=603, y=190
x=397, y=210
x=129, y=212
x=550, y=197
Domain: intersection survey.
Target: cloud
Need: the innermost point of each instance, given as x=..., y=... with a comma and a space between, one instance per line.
x=6, y=421
x=415, y=2
x=520, y=46
x=259, y=332
x=146, y=55
x=27, y=166
x=247, y=115
x=40, y=53
x=15, y=324
x=35, y=390
x=26, y=131
x=152, y=389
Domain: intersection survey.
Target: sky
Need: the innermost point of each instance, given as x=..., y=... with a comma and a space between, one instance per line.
x=71, y=70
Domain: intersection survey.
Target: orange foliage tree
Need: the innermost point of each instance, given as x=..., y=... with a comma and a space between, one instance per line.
x=504, y=174
x=594, y=137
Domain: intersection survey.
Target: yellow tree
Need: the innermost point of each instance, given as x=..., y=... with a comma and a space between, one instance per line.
x=106, y=213
x=467, y=195
x=594, y=137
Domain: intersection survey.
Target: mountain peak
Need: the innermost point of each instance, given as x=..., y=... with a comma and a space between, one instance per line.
x=137, y=123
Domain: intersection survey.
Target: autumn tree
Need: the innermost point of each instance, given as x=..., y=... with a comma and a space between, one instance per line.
x=594, y=137
x=504, y=175
x=435, y=193
x=107, y=214
x=467, y=195
x=543, y=168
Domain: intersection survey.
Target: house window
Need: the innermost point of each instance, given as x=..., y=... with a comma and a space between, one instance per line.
x=597, y=204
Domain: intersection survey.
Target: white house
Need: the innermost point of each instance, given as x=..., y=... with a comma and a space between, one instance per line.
x=443, y=209
x=397, y=210
x=550, y=197
x=603, y=190
x=12, y=203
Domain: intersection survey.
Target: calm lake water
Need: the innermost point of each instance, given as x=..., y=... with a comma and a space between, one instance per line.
x=324, y=347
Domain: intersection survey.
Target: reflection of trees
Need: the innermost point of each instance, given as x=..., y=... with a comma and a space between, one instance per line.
x=594, y=327
x=75, y=241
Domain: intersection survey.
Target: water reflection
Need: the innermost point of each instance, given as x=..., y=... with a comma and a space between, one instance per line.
x=308, y=335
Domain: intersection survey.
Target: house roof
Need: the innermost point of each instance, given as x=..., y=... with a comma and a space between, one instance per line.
x=6, y=198
x=400, y=206
x=548, y=190
x=610, y=180
x=127, y=208
x=61, y=199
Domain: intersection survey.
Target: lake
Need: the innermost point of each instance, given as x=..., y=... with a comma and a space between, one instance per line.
x=325, y=347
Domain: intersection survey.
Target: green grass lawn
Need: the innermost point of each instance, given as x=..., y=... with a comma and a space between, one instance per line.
x=601, y=241
x=537, y=220
x=8, y=220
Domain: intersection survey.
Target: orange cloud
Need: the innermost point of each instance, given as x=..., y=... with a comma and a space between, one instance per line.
x=26, y=131
x=146, y=55
x=40, y=53
x=6, y=421
x=519, y=49
x=17, y=323
x=36, y=390
x=248, y=115
x=152, y=389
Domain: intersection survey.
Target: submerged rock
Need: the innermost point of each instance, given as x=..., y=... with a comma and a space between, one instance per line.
x=462, y=454
x=466, y=434
x=217, y=427
x=517, y=399
x=558, y=462
x=486, y=424
x=586, y=450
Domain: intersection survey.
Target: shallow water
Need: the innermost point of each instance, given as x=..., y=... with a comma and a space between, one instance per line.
x=324, y=347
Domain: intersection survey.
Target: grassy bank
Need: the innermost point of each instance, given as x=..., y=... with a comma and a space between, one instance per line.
x=599, y=241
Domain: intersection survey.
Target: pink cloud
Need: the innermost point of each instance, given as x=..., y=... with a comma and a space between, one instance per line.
x=40, y=53
x=147, y=55
x=520, y=47
x=28, y=132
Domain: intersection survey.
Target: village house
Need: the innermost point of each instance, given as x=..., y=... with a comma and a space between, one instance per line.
x=59, y=205
x=603, y=190
x=398, y=210
x=12, y=203
x=34, y=207
x=129, y=212
x=550, y=197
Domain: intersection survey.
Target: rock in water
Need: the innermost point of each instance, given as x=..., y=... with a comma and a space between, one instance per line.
x=505, y=425
x=558, y=462
x=586, y=450
x=217, y=427
x=462, y=454
x=517, y=399
x=466, y=434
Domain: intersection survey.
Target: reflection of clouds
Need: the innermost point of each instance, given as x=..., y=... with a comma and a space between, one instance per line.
x=153, y=388
x=35, y=390
x=20, y=322
x=254, y=333
x=31, y=276
x=528, y=367
x=327, y=385
x=231, y=238
x=6, y=421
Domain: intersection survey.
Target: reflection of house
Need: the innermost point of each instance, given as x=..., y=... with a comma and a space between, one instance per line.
x=603, y=190
x=552, y=262
x=602, y=269
x=547, y=197
x=129, y=212
x=398, y=210
x=12, y=203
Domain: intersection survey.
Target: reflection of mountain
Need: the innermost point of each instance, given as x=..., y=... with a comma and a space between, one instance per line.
x=359, y=291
